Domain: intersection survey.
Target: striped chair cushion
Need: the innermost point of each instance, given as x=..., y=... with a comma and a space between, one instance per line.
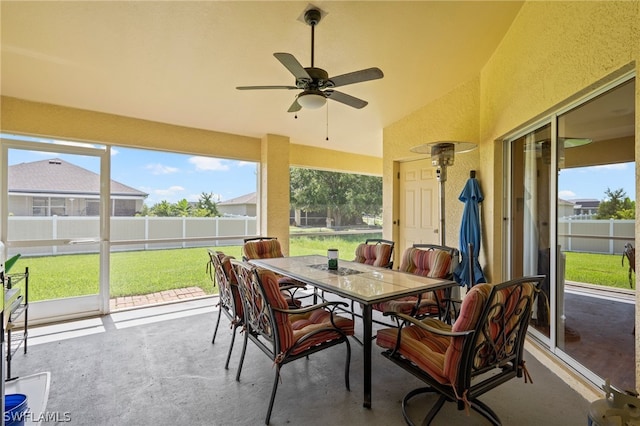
x=292, y=327
x=423, y=348
x=373, y=254
x=438, y=355
x=428, y=263
x=263, y=249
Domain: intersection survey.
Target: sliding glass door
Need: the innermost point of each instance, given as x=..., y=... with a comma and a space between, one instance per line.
x=572, y=214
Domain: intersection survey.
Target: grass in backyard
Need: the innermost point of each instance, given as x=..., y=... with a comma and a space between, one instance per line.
x=599, y=269
x=150, y=271
x=143, y=272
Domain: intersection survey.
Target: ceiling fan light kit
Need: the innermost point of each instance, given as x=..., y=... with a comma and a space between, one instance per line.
x=315, y=83
x=311, y=100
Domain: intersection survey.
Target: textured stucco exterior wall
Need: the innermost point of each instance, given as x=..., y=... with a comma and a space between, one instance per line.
x=453, y=117
x=274, y=189
x=327, y=159
x=553, y=54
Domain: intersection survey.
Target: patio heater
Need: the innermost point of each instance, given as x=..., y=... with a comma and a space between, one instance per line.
x=443, y=155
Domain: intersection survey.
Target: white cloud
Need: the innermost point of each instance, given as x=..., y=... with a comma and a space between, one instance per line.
x=172, y=190
x=566, y=194
x=160, y=169
x=114, y=152
x=246, y=163
x=207, y=163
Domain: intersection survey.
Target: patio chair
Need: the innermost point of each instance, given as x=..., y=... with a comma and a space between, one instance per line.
x=482, y=349
x=427, y=260
x=229, y=303
x=269, y=248
x=285, y=334
x=375, y=252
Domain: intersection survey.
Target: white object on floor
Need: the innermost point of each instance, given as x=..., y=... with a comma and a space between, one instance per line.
x=36, y=388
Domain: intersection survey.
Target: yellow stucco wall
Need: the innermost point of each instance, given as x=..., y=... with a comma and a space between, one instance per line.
x=326, y=159
x=274, y=189
x=553, y=54
x=452, y=118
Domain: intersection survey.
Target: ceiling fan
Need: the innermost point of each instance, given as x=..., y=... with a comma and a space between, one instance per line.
x=315, y=83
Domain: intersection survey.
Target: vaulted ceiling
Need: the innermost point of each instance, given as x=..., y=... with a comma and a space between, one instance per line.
x=179, y=62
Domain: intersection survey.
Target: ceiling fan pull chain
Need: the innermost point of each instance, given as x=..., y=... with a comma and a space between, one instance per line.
x=327, y=121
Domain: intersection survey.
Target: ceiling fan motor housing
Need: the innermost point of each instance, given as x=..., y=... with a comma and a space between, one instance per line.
x=319, y=79
x=312, y=17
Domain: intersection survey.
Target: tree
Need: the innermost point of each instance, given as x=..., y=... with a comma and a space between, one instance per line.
x=207, y=206
x=616, y=206
x=346, y=197
x=181, y=208
x=163, y=208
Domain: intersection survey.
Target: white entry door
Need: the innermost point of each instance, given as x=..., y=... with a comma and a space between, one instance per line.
x=418, y=204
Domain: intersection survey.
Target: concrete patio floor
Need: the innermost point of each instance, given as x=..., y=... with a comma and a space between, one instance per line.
x=157, y=366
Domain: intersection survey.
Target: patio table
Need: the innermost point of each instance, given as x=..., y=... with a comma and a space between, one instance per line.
x=359, y=282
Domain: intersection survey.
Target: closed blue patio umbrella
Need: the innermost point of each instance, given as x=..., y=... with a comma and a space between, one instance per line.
x=471, y=196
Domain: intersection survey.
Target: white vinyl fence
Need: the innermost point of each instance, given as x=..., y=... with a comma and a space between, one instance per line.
x=80, y=234
x=595, y=236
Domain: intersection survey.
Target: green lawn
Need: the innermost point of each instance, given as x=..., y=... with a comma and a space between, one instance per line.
x=143, y=272
x=600, y=269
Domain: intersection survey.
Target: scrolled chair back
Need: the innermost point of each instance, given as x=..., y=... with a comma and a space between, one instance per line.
x=499, y=314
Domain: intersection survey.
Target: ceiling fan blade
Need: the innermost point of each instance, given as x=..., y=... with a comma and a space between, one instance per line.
x=295, y=106
x=265, y=87
x=355, y=77
x=352, y=101
x=292, y=64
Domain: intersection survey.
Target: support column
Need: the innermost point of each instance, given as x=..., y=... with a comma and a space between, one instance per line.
x=274, y=189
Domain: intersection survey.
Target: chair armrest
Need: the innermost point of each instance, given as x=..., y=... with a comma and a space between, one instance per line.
x=409, y=319
x=310, y=308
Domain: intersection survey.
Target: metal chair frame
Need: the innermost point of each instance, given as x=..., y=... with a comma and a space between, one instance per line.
x=485, y=362
x=227, y=292
x=263, y=330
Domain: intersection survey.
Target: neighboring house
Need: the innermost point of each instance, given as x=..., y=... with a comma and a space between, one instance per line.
x=565, y=208
x=56, y=187
x=244, y=205
x=587, y=206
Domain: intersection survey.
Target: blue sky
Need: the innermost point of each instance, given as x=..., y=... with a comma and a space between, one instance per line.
x=164, y=176
x=592, y=182
x=172, y=177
